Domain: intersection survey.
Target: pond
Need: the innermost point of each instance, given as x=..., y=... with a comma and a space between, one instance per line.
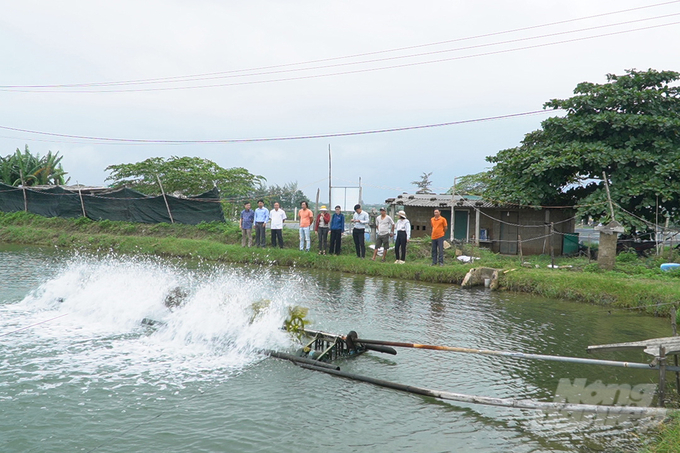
x=79, y=372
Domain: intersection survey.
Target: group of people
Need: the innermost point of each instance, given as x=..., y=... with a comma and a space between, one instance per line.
x=334, y=224
x=258, y=219
x=323, y=224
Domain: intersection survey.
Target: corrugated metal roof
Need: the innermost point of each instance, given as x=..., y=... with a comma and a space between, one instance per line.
x=440, y=201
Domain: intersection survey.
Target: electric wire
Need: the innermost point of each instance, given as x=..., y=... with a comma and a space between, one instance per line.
x=274, y=139
x=213, y=74
x=333, y=74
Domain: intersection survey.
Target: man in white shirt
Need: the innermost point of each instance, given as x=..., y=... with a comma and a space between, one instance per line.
x=359, y=220
x=277, y=216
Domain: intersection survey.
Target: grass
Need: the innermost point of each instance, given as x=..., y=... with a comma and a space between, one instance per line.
x=666, y=439
x=635, y=282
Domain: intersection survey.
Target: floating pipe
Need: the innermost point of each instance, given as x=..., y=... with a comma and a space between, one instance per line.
x=503, y=402
x=521, y=355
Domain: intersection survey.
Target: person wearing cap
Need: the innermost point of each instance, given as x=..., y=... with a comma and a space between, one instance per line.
x=439, y=226
x=337, y=227
x=323, y=221
x=385, y=226
x=403, y=228
x=359, y=220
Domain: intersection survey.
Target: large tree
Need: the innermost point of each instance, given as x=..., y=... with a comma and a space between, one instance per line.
x=627, y=128
x=185, y=175
x=31, y=169
x=475, y=184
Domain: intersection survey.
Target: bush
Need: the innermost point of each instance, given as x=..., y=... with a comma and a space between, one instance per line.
x=592, y=267
x=627, y=256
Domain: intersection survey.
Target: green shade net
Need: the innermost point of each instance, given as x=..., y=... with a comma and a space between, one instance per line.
x=124, y=205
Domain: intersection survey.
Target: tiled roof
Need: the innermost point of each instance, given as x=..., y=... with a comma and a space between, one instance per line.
x=440, y=201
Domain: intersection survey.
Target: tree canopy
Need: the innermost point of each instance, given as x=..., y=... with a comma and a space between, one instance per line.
x=34, y=169
x=185, y=175
x=475, y=184
x=628, y=128
x=288, y=196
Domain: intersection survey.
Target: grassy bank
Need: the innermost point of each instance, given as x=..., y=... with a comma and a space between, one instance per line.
x=634, y=283
x=666, y=439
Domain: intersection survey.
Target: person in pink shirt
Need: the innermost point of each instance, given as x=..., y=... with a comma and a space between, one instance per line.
x=306, y=217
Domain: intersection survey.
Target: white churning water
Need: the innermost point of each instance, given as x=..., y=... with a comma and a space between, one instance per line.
x=211, y=335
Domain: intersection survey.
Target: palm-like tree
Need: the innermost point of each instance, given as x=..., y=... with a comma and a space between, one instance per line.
x=34, y=170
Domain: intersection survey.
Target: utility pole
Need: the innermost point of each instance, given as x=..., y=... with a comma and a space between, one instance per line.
x=453, y=209
x=361, y=196
x=330, y=184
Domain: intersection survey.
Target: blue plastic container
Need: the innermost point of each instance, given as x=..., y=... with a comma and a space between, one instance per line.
x=669, y=266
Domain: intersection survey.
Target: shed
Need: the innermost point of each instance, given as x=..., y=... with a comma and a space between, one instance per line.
x=499, y=227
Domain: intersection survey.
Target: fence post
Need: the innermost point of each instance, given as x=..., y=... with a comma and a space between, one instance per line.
x=521, y=255
x=167, y=206
x=82, y=205
x=23, y=189
x=552, y=247
x=662, y=375
x=674, y=326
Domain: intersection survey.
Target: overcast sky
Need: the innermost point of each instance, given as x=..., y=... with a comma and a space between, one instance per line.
x=84, y=42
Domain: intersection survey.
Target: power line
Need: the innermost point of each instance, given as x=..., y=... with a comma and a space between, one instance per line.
x=55, y=89
x=222, y=73
x=110, y=140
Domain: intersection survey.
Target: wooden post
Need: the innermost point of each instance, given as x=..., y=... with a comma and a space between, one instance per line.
x=674, y=326
x=609, y=196
x=23, y=188
x=546, y=229
x=82, y=205
x=167, y=206
x=552, y=248
x=521, y=255
x=662, y=375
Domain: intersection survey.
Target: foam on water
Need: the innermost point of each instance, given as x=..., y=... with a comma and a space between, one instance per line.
x=213, y=334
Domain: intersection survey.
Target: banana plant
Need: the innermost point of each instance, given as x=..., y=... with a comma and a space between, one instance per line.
x=25, y=168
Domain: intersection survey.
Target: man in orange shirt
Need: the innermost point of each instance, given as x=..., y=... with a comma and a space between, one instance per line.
x=306, y=217
x=439, y=227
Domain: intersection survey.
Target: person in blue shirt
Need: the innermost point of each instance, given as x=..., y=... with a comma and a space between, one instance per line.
x=246, y=224
x=261, y=219
x=337, y=227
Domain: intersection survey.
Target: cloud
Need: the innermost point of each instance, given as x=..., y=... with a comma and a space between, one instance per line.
x=95, y=41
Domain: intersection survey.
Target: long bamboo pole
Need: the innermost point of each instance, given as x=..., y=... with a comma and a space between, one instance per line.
x=504, y=402
x=519, y=355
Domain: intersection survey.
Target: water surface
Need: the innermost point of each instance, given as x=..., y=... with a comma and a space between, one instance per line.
x=87, y=376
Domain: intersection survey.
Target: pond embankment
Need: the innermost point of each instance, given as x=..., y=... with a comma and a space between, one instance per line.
x=634, y=284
